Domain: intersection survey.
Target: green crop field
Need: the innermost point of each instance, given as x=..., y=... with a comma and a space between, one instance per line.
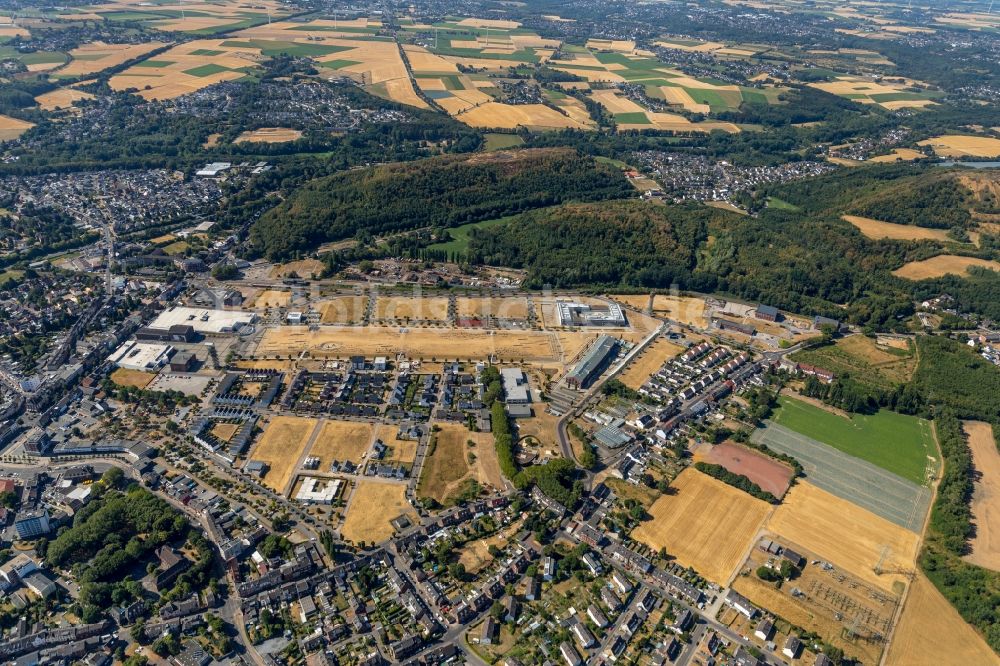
x=633, y=118
x=897, y=443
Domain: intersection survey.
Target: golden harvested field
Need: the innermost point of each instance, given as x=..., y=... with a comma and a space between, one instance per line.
x=876, y=229
x=844, y=534
x=280, y=447
x=372, y=506
x=271, y=298
x=501, y=308
x=11, y=128
x=61, y=98
x=341, y=440
x=343, y=310
x=681, y=97
x=400, y=450
x=225, y=431
x=855, y=85
x=899, y=155
x=944, y=264
x=956, y=145
x=615, y=102
x=701, y=47
x=575, y=109
x=341, y=342
x=303, y=268
x=495, y=115
x=423, y=61
x=930, y=631
x=269, y=135
x=489, y=23
x=985, y=546
x=98, y=56
x=619, y=45
x=446, y=470
x=685, y=309
x=414, y=309
x=648, y=362
x=135, y=378
x=185, y=68
x=706, y=525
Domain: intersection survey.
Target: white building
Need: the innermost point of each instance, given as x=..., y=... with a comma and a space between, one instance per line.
x=582, y=314
x=202, y=320
x=515, y=386
x=145, y=356
x=319, y=491
x=213, y=169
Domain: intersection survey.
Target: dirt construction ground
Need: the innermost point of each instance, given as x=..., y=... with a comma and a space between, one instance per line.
x=400, y=450
x=134, y=378
x=280, y=447
x=420, y=343
x=341, y=440
x=763, y=470
x=706, y=525
x=985, y=546
x=372, y=505
x=683, y=309
x=447, y=469
x=648, y=362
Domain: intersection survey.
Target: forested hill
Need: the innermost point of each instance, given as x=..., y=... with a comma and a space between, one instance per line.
x=792, y=261
x=607, y=244
x=924, y=196
x=438, y=192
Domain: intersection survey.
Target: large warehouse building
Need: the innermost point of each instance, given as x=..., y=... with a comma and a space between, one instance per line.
x=204, y=321
x=597, y=358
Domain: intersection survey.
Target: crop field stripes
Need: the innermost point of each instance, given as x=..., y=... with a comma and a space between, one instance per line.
x=883, y=493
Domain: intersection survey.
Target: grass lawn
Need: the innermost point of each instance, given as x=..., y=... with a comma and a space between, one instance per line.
x=501, y=141
x=780, y=204
x=460, y=235
x=894, y=442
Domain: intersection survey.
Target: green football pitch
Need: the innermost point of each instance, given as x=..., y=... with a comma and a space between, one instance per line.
x=897, y=443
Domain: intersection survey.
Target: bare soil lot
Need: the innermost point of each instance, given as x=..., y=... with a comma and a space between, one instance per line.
x=341, y=440
x=281, y=446
x=649, y=361
x=343, y=310
x=413, y=309
x=501, y=308
x=421, y=343
x=135, y=378
x=766, y=472
x=372, y=505
x=269, y=135
x=449, y=467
